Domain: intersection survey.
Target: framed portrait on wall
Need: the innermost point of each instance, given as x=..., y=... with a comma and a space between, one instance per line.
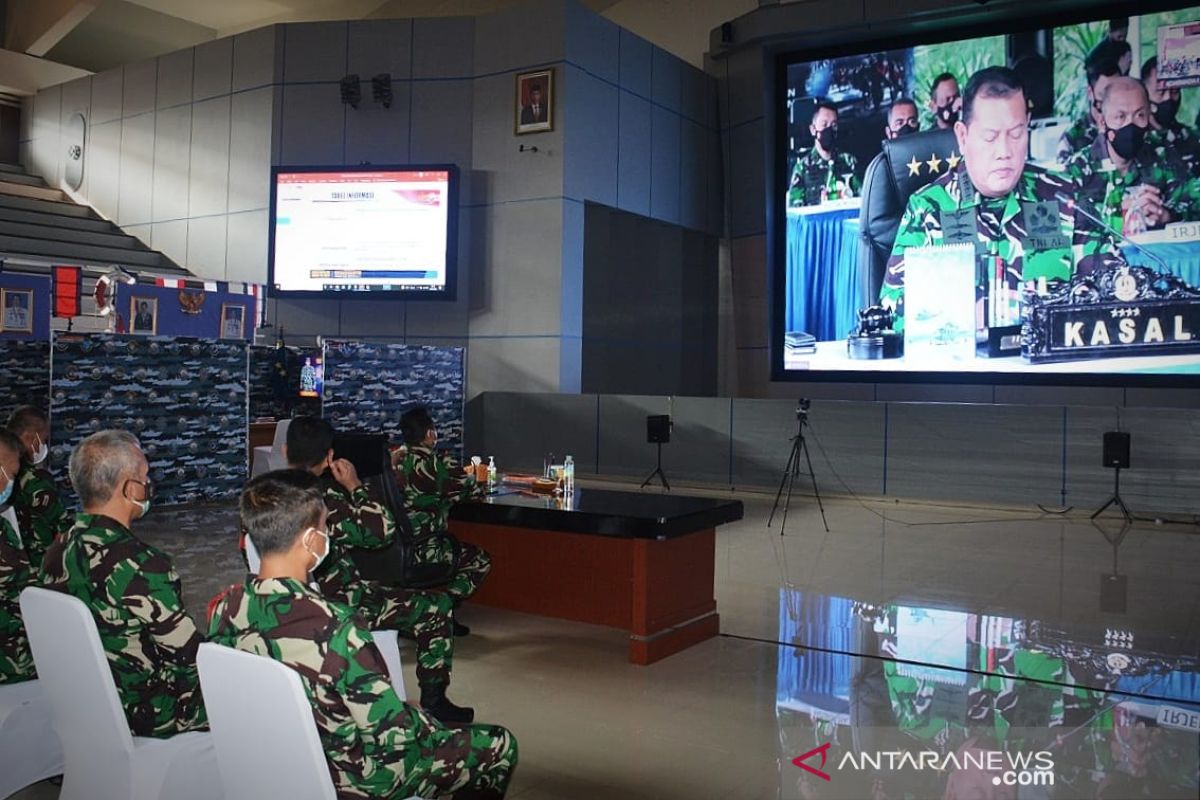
x=233, y=321
x=143, y=315
x=535, y=102
x=17, y=305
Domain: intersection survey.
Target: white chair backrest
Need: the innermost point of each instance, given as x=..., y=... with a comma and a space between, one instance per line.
x=263, y=728
x=281, y=429
x=72, y=666
x=252, y=558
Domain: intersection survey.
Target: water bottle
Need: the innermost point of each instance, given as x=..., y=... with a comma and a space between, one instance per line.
x=569, y=476
x=491, y=473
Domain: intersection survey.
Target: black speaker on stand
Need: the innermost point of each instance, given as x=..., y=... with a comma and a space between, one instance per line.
x=658, y=432
x=1116, y=457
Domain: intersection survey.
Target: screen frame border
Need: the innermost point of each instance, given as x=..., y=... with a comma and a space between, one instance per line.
x=898, y=34
x=448, y=294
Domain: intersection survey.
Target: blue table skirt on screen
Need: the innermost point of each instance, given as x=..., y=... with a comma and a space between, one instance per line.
x=822, y=286
x=1182, y=257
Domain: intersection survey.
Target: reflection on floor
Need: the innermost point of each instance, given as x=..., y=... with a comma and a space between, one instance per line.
x=939, y=652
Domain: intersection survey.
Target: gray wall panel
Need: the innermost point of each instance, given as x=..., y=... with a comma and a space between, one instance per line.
x=633, y=155
x=174, y=78
x=742, y=95
x=990, y=454
x=137, y=170
x=250, y=150
x=592, y=42
x=664, y=165
x=137, y=96
x=745, y=171
x=246, y=247
x=315, y=51
x=441, y=123
x=523, y=265
x=519, y=37
x=443, y=48
x=172, y=162
x=636, y=57
x=381, y=45
x=591, y=113
x=107, y=88
x=304, y=317
x=1165, y=462
x=692, y=180
x=377, y=134
x=207, y=246
x=623, y=449
x=170, y=238
x=213, y=71
x=256, y=59
x=512, y=175
x=1060, y=395
x=209, y=184
x=46, y=133
x=512, y=364
x=311, y=125
x=696, y=88
x=371, y=318
x=667, y=81
x=565, y=424
x=699, y=446
x=77, y=98
x=104, y=166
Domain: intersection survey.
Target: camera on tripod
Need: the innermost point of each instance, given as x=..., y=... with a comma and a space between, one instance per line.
x=802, y=406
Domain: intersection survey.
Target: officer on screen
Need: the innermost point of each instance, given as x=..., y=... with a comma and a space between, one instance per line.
x=1164, y=118
x=1102, y=64
x=823, y=172
x=990, y=199
x=902, y=119
x=1137, y=183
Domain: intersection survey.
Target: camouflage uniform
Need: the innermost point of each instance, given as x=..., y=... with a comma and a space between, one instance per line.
x=432, y=484
x=359, y=520
x=1156, y=165
x=1076, y=138
x=134, y=595
x=1183, y=141
x=813, y=173
x=377, y=745
x=40, y=511
x=16, y=662
x=1000, y=230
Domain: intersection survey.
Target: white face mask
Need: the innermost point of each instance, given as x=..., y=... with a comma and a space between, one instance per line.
x=324, y=553
x=41, y=453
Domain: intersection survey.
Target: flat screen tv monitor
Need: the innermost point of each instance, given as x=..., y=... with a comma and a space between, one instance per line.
x=1031, y=191
x=312, y=376
x=368, y=231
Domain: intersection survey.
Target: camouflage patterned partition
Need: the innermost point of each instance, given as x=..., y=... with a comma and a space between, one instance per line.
x=24, y=374
x=369, y=385
x=184, y=398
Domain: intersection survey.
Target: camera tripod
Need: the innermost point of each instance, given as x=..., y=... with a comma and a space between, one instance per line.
x=792, y=469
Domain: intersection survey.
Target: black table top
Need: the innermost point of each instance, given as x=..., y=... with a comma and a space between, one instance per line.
x=604, y=513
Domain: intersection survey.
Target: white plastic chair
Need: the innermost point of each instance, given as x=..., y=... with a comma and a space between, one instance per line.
x=270, y=458
x=29, y=747
x=103, y=760
x=266, y=739
x=387, y=641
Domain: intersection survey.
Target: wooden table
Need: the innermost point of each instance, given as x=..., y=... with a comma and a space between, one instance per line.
x=638, y=562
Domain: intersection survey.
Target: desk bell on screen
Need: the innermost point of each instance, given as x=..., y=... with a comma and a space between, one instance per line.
x=874, y=337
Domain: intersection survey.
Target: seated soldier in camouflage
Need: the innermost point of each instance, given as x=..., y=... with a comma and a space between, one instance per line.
x=40, y=511
x=825, y=171
x=131, y=588
x=1101, y=65
x=16, y=662
x=377, y=745
x=432, y=483
x=358, y=519
x=983, y=199
x=1134, y=182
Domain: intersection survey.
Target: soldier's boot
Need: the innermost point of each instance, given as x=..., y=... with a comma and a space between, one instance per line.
x=434, y=701
x=460, y=629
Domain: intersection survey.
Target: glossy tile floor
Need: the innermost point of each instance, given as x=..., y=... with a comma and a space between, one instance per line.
x=925, y=645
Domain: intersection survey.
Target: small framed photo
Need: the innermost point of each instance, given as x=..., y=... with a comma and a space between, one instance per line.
x=18, y=310
x=143, y=315
x=233, y=321
x=535, y=102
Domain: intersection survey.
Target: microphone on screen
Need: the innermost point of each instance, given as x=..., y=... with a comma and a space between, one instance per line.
x=1080, y=205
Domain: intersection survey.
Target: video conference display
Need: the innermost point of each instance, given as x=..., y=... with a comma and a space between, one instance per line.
x=1026, y=203
x=373, y=231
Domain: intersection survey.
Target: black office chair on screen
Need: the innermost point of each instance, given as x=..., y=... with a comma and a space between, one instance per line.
x=904, y=166
x=395, y=565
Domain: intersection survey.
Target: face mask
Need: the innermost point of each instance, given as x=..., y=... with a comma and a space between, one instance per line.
x=1128, y=141
x=827, y=137
x=319, y=558
x=906, y=130
x=1164, y=112
x=41, y=453
x=947, y=114
x=143, y=506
